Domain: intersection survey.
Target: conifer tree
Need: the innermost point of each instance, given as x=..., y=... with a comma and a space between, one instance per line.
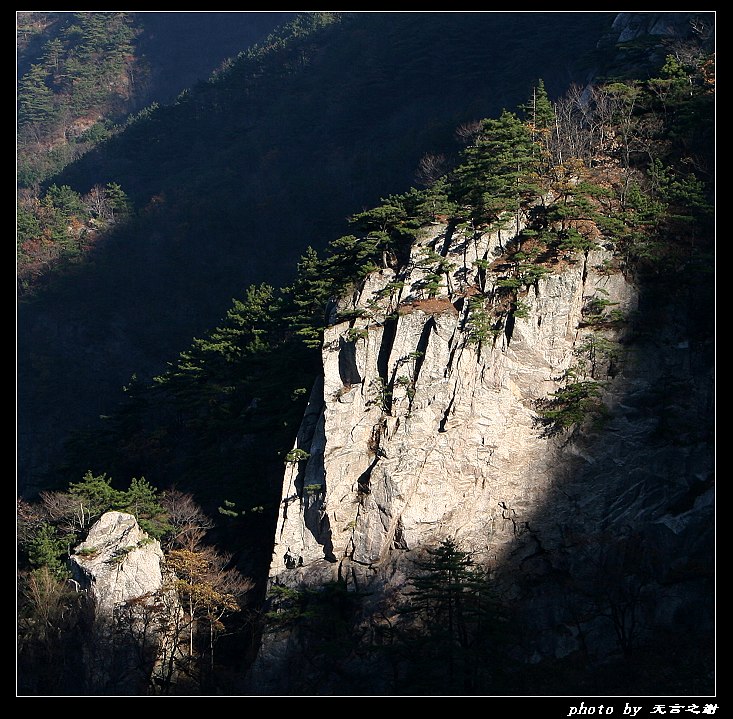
x=451, y=624
x=308, y=297
x=95, y=495
x=36, y=101
x=539, y=113
x=498, y=173
x=142, y=501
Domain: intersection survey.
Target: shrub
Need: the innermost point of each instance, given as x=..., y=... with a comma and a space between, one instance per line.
x=570, y=406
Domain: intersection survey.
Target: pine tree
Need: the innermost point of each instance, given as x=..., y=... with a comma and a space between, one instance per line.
x=47, y=549
x=65, y=201
x=142, y=501
x=538, y=111
x=95, y=495
x=119, y=203
x=451, y=624
x=35, y=98
x=308, y=298
x=499, y=171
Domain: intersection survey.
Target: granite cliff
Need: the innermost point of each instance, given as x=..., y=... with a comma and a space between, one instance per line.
x=423, y=429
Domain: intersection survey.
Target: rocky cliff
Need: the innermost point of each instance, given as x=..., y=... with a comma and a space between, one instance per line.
x=424, y=428
x=122, y=572
x=644, y=39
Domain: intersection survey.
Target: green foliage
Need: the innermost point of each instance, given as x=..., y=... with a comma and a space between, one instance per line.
x=35, y=98
x=530, y=273
x=498, y=172
x=643, y=217
x=451, y=635
x=481, y=324
x=117, y=199
x=577, y=209
x=234, y=398
x=229, y=509
x=573, y=241
x=48, y=549
x=142, y=500
x=28, y=225
x=56, y=228
x=380, y=394
x=287, y=606
x=244, y=333
x=294, y=456
x=596, y=312
x=430, y=284
x=597, y=352
x=686, y=194
x=383, y=218
x=520, y=309
x=538, y=111
x=80, y=71
x=98, y=132
x=570, y=406
x=324, y=619
x=407, y=383
x=96, y=495
x=354, y=334
x=510, y=283
x=65, y=201
x=308, y=297
x=433, y=201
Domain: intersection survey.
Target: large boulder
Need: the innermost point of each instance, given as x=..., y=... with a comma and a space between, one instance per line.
x=129, y=609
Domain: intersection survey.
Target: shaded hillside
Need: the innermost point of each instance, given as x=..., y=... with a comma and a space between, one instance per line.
x=235, y=179
x=81, y=74
x=183, y=48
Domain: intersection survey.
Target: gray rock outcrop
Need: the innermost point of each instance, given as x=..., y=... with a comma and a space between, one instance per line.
x=122, y=572
x=416, y=433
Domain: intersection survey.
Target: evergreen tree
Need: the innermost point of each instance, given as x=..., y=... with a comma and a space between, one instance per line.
x=539, y=113
x=142, y=500
x=119, y=203
x=308, y=297
x=35, y=98
x=65, y=201
x=498, y=173
x=95, y=495
x=48, y=549
x=450, y=637
x=28, y=225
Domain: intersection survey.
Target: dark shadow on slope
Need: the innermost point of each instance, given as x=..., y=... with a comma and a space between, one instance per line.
x=184, y=48
x=234, y=181
x=615, y=573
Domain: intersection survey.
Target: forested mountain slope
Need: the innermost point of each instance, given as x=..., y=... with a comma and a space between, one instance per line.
x=229, y=184
x=456, y=422
x=81, y=74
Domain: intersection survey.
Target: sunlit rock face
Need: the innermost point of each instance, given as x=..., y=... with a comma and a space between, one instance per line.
x=130, y=605
x=423, y=429
x=419, y=433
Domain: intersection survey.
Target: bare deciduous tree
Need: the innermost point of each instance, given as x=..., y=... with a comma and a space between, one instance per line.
x=189, y=522
x=430, y=168
x=467, y=132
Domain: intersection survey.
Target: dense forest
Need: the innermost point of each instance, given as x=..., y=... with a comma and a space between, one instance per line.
x=82, y=78
x=629, y=161
x=81, y=75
